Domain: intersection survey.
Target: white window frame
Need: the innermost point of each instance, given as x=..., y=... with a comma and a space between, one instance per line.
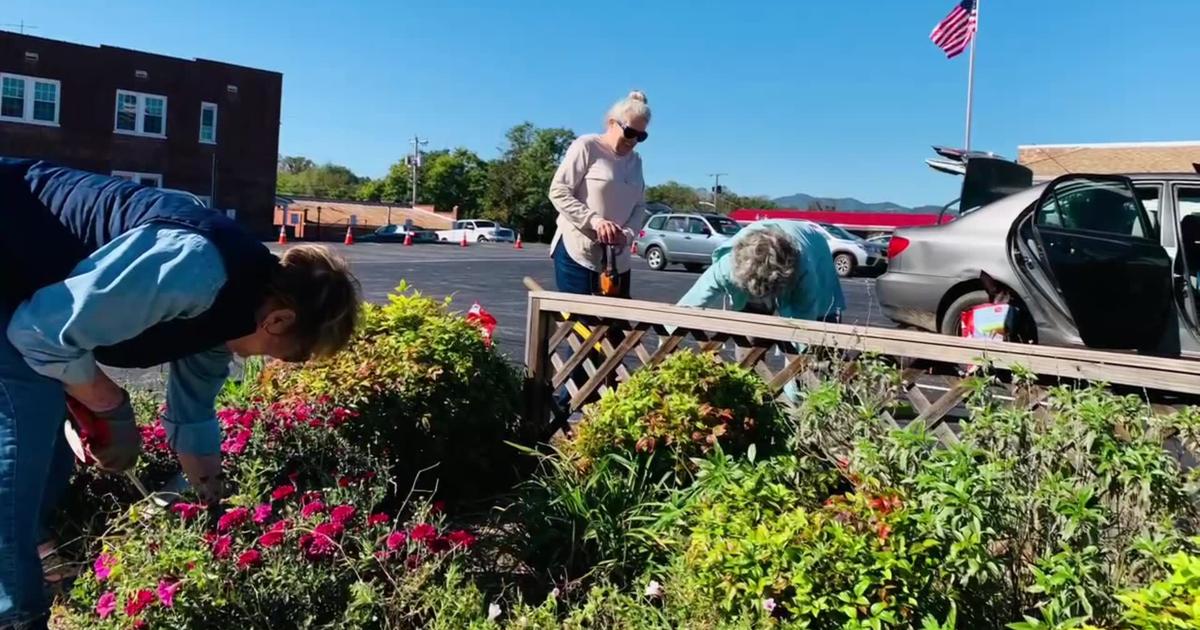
x=137, y=177
x=204, y=106
x=29, y=98
x=139, y=121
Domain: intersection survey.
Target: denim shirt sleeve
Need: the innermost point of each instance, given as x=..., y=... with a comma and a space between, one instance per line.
x=192, y=390
x=145, y=276
x=709, y=290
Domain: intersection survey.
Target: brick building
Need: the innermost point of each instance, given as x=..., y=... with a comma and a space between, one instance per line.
x=1051, y=160
x=202, y=126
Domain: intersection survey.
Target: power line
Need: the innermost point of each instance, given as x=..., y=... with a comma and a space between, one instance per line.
x=22, y=25
x=417, y=143
x=716, y=190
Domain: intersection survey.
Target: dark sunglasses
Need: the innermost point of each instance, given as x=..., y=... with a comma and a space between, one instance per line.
x=633, y=134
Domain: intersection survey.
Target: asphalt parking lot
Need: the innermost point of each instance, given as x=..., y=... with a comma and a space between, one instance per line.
x=492, y=273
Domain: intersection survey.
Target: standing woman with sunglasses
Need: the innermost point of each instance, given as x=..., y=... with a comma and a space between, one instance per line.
x=600, y=194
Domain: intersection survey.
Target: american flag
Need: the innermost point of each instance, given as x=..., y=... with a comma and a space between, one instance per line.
x=954, y=33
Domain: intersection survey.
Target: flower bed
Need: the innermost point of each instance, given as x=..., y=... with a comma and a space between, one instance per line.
x=685, y=499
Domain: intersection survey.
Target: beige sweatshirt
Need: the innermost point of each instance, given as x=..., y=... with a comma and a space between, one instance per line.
x=594, y=183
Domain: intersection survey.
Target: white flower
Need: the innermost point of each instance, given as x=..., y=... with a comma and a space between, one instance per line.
x=555, y=593
x=768, y=604
x=654, y=589
x=493, y=612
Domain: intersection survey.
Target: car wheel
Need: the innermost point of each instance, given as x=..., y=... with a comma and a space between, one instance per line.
x=655, y=258
x=843, y=264
x=694, y=267
x=481, y=239
x=951, y=323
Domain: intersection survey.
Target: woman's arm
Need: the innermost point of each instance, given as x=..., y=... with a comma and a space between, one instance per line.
x=571, y=173
x=146, y=276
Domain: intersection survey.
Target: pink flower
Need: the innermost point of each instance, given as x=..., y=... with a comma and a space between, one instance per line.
x=233, y=518
x=138, y=602
x=342, y=514
x=106, y=605
x=316, y=507
x=396, y=540
x=236, y=443
x=424, y=533
x=378, y=519
x=166, y=592
x=271, y=538
x=103, y=566
x=138, y=624
x=323, y=541
x=249, y=558
x=188, y=511
x=221, y=546
x=262, y=513
x=461, y=538
x=283, y=492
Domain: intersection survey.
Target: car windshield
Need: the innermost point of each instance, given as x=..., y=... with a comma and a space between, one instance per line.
x=728, y=227
x=839, y=232
x=484, y=224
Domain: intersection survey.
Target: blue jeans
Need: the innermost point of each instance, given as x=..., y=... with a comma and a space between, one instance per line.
x=572, y=277
x=35, y=467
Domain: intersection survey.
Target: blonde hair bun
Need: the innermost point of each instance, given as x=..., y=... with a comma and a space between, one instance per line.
x=638, y=95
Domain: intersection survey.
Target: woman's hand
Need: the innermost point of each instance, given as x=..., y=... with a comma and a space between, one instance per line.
x=100, y=395
x=608, y=232
x=205, y=475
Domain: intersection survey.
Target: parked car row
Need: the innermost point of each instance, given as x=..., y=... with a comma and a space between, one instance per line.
x=689, y=239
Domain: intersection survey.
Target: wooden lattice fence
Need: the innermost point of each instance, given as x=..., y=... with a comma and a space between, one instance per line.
x=587, y=344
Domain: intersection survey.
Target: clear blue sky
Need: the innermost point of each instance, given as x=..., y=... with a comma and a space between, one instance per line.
x=828, y=97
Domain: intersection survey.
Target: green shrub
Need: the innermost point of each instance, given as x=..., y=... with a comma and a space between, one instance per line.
x=682, y=409
x=429, y=392
x=1173, y=602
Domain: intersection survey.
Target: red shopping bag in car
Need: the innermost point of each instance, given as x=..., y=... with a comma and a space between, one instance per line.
x=484, y=320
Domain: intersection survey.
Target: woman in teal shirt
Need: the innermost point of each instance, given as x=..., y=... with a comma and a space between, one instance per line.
x=779, y=268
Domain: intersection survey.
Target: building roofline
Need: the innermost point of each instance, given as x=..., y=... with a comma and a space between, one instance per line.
x=136, y=51
x=1112, y=145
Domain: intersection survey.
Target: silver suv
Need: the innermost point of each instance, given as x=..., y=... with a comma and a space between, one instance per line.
x=687, y=239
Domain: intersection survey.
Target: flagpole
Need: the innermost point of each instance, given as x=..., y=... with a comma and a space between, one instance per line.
x=971, y=78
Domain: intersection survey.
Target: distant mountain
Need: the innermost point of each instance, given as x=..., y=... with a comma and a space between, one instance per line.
x=802, y=201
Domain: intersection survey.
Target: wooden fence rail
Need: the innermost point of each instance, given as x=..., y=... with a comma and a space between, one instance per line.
x=633, y=334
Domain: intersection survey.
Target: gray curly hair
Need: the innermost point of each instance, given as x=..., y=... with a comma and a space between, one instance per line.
x=764, y=263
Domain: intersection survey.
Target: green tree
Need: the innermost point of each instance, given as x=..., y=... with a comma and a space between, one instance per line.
x=294, y=164
x=679, y=196
x=394, y=187
x=453, y=178
x=331, y=181
x=518, y=182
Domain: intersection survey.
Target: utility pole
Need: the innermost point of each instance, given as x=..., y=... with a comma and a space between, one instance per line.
x=716, y=190
x=22, y=26
x=416, y=164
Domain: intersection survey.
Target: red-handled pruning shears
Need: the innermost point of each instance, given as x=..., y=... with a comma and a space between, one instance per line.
x=85, y=430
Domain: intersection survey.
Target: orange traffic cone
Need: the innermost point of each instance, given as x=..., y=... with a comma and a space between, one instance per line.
x=518, y=244
x=408, y=239
x=464, y=240
x=349, y=235
x=282, y=235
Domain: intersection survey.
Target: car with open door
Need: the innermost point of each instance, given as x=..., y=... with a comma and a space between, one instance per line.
x=1099, y=261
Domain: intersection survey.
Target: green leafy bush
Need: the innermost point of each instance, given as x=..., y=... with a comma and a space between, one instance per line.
x=429, y=393
x=682, y=409
x=1172, y=602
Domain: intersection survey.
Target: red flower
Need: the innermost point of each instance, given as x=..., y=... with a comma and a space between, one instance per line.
x=883, y=530
x=271, y=538
x=262, y=513
x=232, y=519
x=424, y=533
x=283, y=492
x=342, y=514
x=294, y=475
x=249, y=558
x=461, y=538
x=221, y=546
x=412, y=561
x=396, y=540
x=280, y=526
x=138, y=602
x=188, y=511
x=323, y=541
x=316, y=507
x=438, y=545
x=138, y=624
x=378, y=519
x=438, y=507
x=344, y=481
x=369, y=475
x=311, y=495
x=236, y=443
